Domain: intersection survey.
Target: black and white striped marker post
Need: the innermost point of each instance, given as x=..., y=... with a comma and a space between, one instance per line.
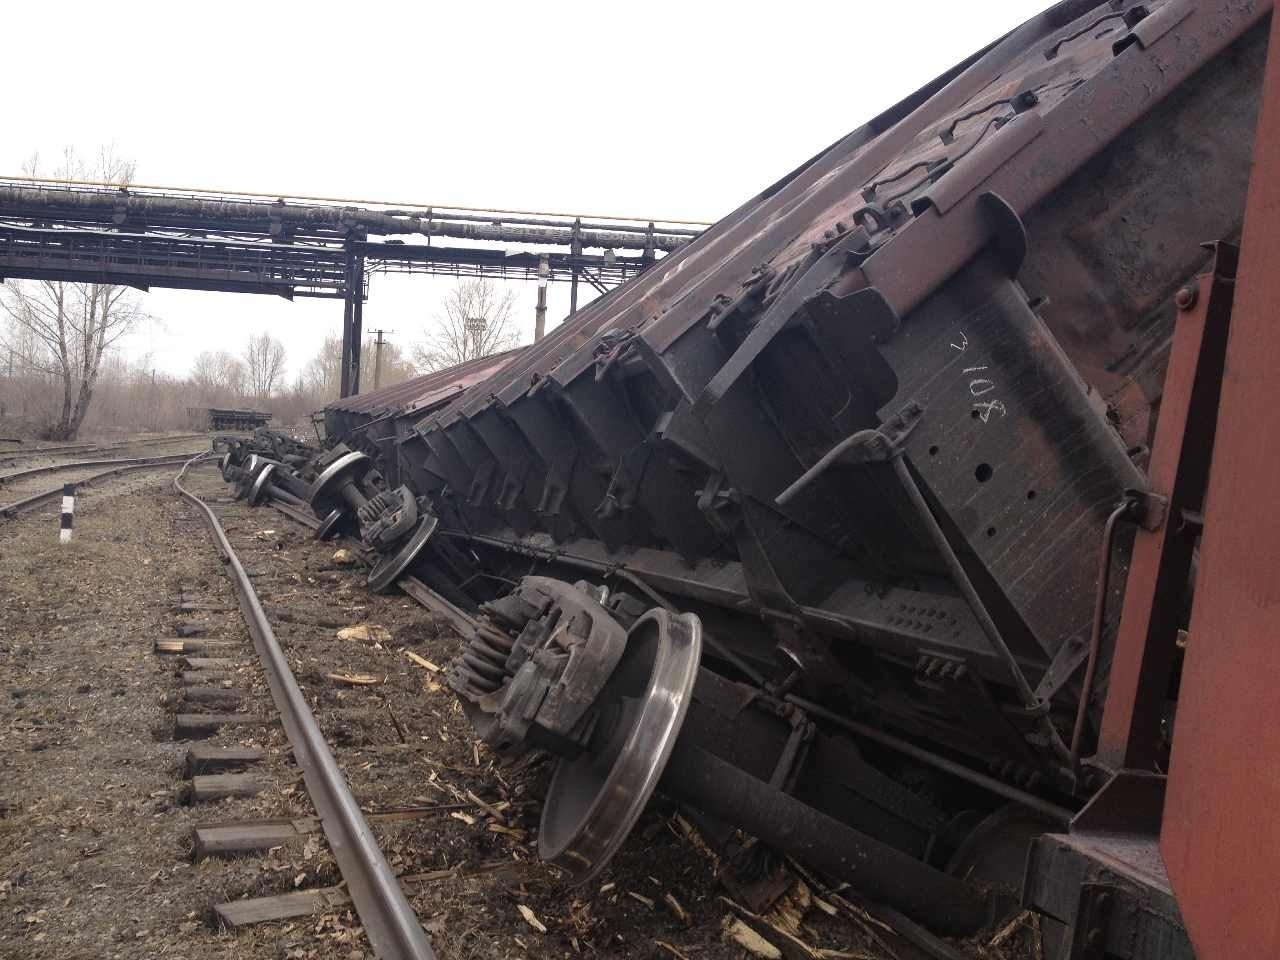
x=68, y=511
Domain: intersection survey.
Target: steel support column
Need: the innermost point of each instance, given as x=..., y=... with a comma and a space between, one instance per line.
x=352, y=318
x=1161, y=561
x=575, y=250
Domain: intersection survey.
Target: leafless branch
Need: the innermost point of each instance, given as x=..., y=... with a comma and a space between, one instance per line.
x=475, y=321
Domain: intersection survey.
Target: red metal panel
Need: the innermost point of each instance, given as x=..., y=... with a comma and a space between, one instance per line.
x=1161, y=559
x=1221, y=835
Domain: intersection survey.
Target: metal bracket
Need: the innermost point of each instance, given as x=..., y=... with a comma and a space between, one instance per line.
x=865, y=446
x=1145, y=30
x=1088, y=937
x=1008, y=235
x=1150, y=509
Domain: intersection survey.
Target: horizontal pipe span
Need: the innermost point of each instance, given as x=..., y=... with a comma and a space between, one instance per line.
x=728, y=793
x=53, y=202
x=204, y=192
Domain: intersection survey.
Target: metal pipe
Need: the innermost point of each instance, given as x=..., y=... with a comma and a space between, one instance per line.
x=961, y=579
x=194, y=192
x=284, y=496
x=121, y=206
x=1095, y=635
x=391, y=924
x=300, y=515
x=729, y=793
x=958, y=770
x=540, y=312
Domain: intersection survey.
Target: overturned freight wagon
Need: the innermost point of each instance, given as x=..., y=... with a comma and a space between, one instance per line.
x=821, y=526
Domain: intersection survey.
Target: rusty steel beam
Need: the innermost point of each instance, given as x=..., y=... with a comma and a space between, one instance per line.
x=1161, y=559
x=1222, y=814
x=352, y=323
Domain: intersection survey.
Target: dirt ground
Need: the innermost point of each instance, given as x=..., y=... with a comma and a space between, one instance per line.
x=95, y=827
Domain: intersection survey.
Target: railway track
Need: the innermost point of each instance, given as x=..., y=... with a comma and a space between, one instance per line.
x=389, y=921
x=212, y=759
x=117, y=468
x=12, y=455
x=78, y=464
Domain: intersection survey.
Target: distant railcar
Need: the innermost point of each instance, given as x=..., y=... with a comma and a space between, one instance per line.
x=222, y=418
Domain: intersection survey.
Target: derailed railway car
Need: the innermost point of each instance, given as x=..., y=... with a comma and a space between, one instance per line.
x=822, y=525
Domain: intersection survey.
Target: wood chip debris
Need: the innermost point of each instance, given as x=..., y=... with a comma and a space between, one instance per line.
x=354, y=679
x=1026, y=918
x=422, y=661
x=785, y=942
x=749, y=940
x=366, y=633
x=344, y=557
x=676, y=908
x=531, y=918
x=487, y=807
x=508, y=831
x=790, y=909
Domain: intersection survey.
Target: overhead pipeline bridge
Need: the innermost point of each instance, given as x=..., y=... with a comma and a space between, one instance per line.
x=294, y=246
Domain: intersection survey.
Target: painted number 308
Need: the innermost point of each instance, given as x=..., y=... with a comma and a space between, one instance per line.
x=980, y=386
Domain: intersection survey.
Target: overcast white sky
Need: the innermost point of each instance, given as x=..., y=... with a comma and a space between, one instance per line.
x=652, y=109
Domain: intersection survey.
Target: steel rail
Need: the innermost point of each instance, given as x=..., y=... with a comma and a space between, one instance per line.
x=8, y=455
x=103, y=444
x=71, y=465
x=59, y=448
x=389, y=921
x=10, y=510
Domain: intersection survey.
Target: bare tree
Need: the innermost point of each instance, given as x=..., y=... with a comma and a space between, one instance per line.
x=231, y=373
x=264, y=364
x=216, y=374
x=204, y=375
x=71, y=325
x=323, y=372
x=475, y=321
